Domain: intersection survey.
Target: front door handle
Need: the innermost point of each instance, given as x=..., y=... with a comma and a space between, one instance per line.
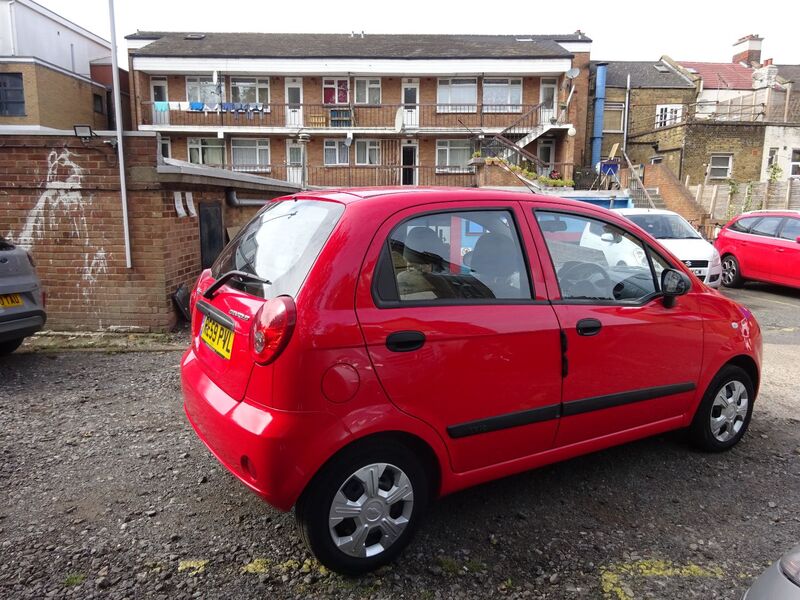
x=589, y=327
x=405, y=341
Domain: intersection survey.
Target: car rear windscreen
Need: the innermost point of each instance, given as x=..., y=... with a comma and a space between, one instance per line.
x=280, y=244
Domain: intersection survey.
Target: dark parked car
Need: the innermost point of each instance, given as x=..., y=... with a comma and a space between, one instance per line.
x=21, y=297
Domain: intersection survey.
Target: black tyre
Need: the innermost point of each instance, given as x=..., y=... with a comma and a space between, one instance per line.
x=362, y=508
x=731, y=272
x=9, y=346
x=724, y=414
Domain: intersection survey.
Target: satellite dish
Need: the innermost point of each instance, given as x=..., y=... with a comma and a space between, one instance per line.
x=348, y=140
x=573, y=73
x=398, y=120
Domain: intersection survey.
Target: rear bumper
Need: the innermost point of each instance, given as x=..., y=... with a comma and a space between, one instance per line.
x=20, y=325
x=274, y=453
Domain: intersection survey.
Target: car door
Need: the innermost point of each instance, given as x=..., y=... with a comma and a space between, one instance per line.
x=459, y=329
x=629, y=360
x=761, y=248
x=786, y=254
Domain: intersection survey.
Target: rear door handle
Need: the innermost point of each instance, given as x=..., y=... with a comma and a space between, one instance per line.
x=405, y=341
x=589, y=327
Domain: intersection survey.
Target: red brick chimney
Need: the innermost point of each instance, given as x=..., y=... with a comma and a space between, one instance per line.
x=748, y=50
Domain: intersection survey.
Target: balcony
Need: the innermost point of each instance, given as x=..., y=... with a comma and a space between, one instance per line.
x=324, y=117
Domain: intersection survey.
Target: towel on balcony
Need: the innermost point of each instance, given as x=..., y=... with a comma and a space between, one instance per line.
x=174, y=105
x=237, y=106
x=161, y=106
x=227, y=106
x=214, y=107
x=196, y=105
x=183, y=105
x=259, y=106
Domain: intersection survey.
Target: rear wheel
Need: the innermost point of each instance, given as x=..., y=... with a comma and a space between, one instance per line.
x=362, y=509
x=9, y=346
x=731, y=273
x=724, y=414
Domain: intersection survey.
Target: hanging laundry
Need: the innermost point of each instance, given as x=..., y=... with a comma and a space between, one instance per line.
x=174, y=105
x=196, y=105
x=227, y=106
x=161, y=106
x=183, y=105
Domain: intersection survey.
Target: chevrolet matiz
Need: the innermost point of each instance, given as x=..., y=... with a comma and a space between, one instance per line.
x=357, y=353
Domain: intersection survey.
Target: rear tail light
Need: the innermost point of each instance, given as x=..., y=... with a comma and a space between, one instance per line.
x=272, y=328
x=44, y=299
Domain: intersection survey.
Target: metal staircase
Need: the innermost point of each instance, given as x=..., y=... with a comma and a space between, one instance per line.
x=509, y=145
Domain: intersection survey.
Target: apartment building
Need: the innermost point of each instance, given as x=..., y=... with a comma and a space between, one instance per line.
x=362, y=109
x=52, y=71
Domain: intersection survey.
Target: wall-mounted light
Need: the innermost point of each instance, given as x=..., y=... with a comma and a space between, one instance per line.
x=84, y=132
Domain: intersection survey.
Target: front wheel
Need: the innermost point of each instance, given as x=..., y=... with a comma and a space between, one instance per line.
x=731, y=272
x=724, y=413
x=361, y=510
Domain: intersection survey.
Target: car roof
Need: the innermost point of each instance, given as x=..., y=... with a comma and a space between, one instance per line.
x=643, y=211
x=771, y=213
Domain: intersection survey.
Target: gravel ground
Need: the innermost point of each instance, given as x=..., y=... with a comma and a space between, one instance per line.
x=106, y=492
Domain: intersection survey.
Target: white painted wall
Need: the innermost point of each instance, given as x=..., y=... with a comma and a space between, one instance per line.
x=707, y=99
x=44, y=35
x=784, y=138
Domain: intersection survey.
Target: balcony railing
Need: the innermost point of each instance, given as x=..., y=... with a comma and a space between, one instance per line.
x=326, y=116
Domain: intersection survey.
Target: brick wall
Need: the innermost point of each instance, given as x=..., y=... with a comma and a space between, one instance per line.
x=675, y=195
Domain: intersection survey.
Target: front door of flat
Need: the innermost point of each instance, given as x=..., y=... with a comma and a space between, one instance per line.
x=547, y=98
x=294, y=101
x=411, y=103
x=159, y=93
x=294, y=162
x=409, y=161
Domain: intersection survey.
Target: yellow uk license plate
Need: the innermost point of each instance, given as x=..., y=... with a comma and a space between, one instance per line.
x=10, y=300
x=218, y=337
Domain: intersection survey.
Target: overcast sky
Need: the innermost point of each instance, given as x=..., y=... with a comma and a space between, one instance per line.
x=685, y=30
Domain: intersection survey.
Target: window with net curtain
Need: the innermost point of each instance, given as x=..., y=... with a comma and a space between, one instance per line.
x=452, y=156
x=502, y=95
x=250, y=90
x=207, y=151
x=368, y=91
x=202, y=89
x=250, y=154
x=368, y=152
x=336, y=152
x=457, y=95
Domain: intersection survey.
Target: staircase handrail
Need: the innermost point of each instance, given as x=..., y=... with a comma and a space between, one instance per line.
x=637, y=179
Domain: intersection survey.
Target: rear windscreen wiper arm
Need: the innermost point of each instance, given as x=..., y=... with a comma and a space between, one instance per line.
x=209, y=293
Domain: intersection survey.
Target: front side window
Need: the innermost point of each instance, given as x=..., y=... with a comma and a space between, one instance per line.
x=368, y=152
x=668, y=114
x=743, y=225
x=336, y=153
x=794, y=167
x=12, y=95
x=596, y=261
x=791, y=229
x=720, y=166
x=452, y=156
x=612, y=117
x=335, y=91
x=250, y=91
x=207, y=151
x=502, y=95
x=368, y=91
x=457, y=95
x=463, y=256
x=767, y=226
x=250, y=154
x=202, y=89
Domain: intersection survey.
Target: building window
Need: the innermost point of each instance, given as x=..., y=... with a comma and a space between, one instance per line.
x=335, y=91
x=336, y=153
x=794, y=167
x=368, y=91
x=502, y=95
x=250, y=91
x=12, y=95
x=612, y=117
x=721, y=166
x=166, y=147
x=97, y=101
x=452, y=156
x=457, y=95
x=202, y=89
x=207, y=151
x=668, y=114
x=772, y=157
x=368, y=152
x=248, y=154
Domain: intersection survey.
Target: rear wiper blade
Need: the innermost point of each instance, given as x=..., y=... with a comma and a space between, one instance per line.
x=209, y=293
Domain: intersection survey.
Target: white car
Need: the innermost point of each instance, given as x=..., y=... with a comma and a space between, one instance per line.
x=680, y=238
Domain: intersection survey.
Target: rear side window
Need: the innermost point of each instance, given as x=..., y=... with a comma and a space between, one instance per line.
x=455, y=256
x=280, y=244
x=743, y=225
x=767, y=226
x=791, y=229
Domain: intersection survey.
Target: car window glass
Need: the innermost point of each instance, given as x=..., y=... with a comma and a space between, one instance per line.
x=659, y=266
x=766, y=226
x=791, y=229
x=472, y=255
x=595, y=260
x=743, y=225
x=665, y=227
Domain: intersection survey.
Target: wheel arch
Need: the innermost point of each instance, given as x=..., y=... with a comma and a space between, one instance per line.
x=749, y=366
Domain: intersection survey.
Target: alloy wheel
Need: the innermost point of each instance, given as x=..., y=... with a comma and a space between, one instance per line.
x=729, y=270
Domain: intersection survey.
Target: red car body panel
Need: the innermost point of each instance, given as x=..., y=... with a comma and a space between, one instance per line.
x=336, y=382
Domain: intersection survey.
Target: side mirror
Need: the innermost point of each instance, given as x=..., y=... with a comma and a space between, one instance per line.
x=610, y=238
x=798, y=239
x=673, y=284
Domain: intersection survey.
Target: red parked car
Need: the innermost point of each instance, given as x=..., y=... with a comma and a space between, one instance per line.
x=356, y=354
x=762, y=245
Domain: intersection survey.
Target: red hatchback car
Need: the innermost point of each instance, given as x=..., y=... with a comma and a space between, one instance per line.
x=356, y=354
x=762, y=245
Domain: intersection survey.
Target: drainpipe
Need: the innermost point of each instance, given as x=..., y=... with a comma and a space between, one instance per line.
x=625, y=116
x=236, y=202
x=599, y=107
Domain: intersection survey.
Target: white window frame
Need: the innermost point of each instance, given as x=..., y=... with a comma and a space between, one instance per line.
x=728, y=169
x=370, y=83
x=668, y=114
x=258, y=82
x=165, y=141
x=615, y=106
x=197, y=143
x=509, y=106
x=794, y=163
x=257, y=144
x=335, y=81
x=446, y=145
x=369, y=145
x=444, y=87
x=200, y=80
x=339, y=146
